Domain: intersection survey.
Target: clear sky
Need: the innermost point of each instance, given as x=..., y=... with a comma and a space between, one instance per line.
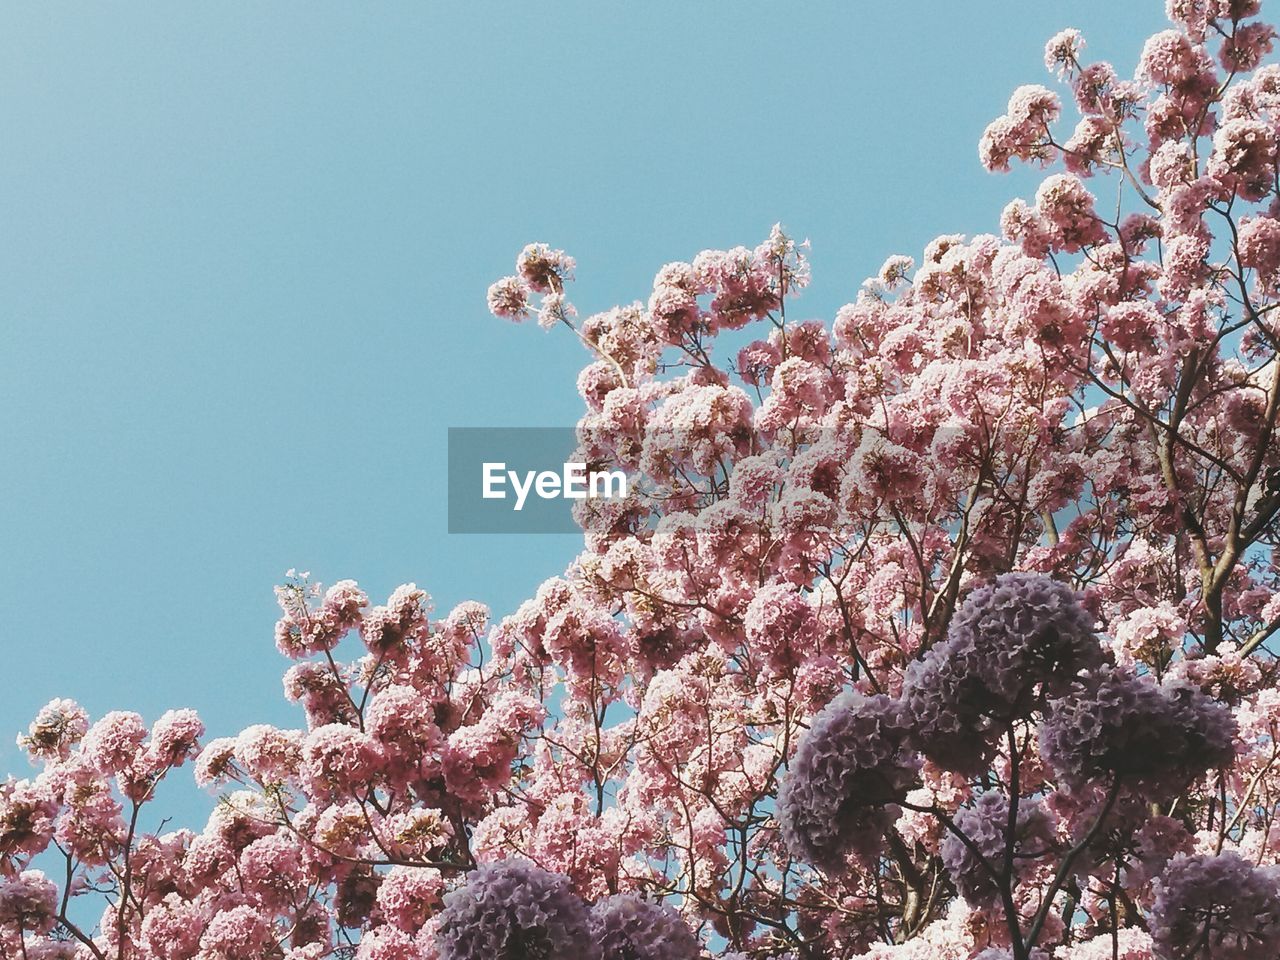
x=244, y=250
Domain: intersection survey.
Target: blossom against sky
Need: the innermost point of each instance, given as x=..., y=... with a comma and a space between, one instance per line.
x=246, y=251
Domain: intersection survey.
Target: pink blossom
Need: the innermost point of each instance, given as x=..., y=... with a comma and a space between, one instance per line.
x=239, y=933
x=175, y=736
x=544, y=269
x=57, y=728
x=113, y=742
x=28, y=902
x=509, y=298
x=336, y=757
x=1259, y=247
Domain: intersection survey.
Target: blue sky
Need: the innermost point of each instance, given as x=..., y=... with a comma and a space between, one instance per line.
x=244, y=250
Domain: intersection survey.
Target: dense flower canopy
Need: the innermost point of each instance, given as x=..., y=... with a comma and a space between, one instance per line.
x=945, y=630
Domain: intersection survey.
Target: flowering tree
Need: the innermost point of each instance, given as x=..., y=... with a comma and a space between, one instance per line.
x=941, y=632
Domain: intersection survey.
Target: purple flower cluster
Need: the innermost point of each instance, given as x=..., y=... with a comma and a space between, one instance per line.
x=848, y=770
x=512, y=910
x=1021, y=649
x=1154, y=737
x=986, y=824
x=1220, y=906
x=629, y=928
x=1013, y=643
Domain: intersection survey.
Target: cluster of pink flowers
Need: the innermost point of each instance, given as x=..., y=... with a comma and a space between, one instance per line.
x=944, y=631
x=540, y=270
